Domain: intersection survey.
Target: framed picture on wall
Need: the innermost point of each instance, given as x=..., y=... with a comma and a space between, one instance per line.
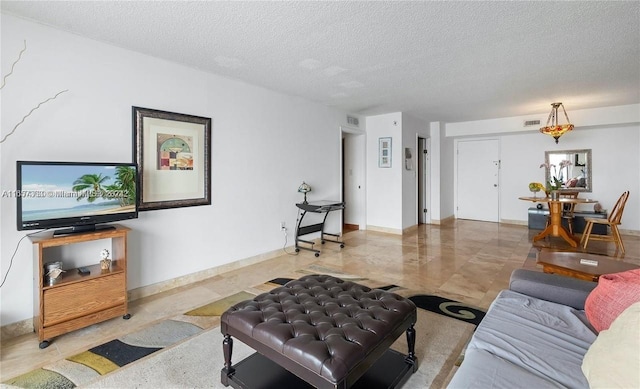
x=384, y=152
x=172, y=151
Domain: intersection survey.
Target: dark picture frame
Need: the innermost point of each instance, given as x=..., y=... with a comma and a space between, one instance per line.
x=172, y=151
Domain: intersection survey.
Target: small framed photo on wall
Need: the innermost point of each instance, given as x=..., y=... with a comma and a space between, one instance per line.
x=384, y=152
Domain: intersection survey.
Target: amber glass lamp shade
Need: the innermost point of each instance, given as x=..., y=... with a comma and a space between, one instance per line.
x=553, y=127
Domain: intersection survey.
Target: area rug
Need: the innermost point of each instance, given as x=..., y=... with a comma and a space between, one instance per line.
x=436, y=304
x=450, y=308
x=186, y=351
x=106, y=358
x=360, y=280
x=196, y=363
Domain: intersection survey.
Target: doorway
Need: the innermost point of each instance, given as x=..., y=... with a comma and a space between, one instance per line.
x=353, y=178
x=478, y=180
x=424, y=215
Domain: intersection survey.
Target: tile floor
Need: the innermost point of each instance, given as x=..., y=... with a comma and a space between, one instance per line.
x=463, y=260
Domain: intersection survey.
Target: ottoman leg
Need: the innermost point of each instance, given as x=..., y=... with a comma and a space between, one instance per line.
x=227, y=349
x=411, y=343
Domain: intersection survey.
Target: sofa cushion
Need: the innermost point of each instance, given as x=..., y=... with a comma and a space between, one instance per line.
x=613, y=359
x=545, y=339
x=551, y=287
x=614, y=293
x=483, y=369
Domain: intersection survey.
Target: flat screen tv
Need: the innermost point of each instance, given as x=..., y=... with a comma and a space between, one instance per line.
x=80, y=196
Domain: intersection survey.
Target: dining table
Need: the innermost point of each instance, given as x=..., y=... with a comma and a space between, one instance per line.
x=555, y=228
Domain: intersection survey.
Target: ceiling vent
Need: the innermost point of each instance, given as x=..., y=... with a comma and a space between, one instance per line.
x=353, y=121
x=531, y=123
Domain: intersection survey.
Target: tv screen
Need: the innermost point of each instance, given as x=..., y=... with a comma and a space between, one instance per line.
x=78, y=195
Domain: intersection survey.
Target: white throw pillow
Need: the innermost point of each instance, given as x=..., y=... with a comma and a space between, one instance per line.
x=613, y=360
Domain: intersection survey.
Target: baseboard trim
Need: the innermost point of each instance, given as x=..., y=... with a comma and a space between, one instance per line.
x=629, y=232
x=410, y=229
x=18, y=328
x=446, y=220
x=26, y=326
x=516, y=222
x=384, y=229
x=150, y=290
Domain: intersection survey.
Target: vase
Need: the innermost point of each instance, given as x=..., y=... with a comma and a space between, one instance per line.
x=555, y=195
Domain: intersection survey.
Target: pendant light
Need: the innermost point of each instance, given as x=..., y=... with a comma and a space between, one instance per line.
x=553, y=127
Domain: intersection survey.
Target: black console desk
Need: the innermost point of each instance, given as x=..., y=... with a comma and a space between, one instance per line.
x=320, y=207
x=538, y=220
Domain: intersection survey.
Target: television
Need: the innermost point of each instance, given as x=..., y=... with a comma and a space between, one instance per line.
x=80, y=196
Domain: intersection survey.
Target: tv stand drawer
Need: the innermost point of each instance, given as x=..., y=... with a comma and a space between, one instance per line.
x=79, y=299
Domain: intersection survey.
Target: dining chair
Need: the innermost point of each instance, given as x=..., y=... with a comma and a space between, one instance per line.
x=613, y=221
x=567, y=209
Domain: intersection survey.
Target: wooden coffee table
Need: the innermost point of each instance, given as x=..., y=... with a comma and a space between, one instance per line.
x=568, y=264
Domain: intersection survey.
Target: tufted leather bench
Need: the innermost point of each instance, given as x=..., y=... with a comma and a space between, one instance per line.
x=326, y=331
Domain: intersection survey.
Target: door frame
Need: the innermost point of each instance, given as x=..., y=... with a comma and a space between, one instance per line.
x=423, y=171
x=455, y=171
x=361, y=196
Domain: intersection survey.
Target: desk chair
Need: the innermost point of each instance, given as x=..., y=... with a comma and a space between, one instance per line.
x=567, y=209
x=614, y=219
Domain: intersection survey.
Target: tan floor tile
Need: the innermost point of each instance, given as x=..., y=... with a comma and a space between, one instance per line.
x=464, y=260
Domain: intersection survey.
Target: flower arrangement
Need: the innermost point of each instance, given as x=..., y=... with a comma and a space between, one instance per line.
x=557, y=180
x=105, y=262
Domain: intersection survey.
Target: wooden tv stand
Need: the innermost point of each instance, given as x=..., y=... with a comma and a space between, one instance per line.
x=77, y=301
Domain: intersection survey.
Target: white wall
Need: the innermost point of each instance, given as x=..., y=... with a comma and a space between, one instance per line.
x=264, y=144
x=384, y=185
x=447, y=176
x=615, y=157
x=436, y=135
x=615, y=153
x=392, y=198
x=584, y=118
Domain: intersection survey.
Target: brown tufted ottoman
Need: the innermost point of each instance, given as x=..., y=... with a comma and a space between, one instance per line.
x=325, y=331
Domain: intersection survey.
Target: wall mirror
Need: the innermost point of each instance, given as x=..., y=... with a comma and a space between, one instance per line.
x=576, y=175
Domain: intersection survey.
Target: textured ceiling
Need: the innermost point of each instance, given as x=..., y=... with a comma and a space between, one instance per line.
x=439, y=61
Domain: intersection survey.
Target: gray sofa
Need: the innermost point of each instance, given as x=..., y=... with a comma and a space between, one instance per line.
x=535, y=335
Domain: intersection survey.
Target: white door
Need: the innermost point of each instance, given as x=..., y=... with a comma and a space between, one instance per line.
x=478, y=165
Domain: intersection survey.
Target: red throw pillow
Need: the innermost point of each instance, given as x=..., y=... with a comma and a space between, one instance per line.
x=613, y=294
